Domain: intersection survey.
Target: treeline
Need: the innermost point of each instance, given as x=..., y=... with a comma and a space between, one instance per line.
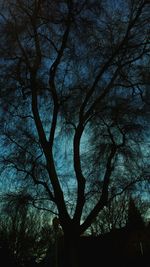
x=26, y=239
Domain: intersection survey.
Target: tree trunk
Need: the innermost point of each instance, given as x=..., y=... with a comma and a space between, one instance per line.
x=71, y=251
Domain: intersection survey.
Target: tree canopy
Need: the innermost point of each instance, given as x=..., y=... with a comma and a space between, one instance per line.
x=74, y=102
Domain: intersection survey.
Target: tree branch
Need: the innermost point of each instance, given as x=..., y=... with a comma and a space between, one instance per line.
x=104, y=195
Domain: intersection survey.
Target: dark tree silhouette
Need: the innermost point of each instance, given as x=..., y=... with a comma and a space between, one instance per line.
x=24, y=235
x=135, y=220
x=74, y=103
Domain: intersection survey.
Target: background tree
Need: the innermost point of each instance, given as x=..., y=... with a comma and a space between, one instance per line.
x=72, y=103
x=124, y=211
x=135, y=220
x=112, y=217
x=24, y=232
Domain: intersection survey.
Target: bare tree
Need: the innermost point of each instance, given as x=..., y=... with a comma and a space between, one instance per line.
x=22, y=229
x=73, y=102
